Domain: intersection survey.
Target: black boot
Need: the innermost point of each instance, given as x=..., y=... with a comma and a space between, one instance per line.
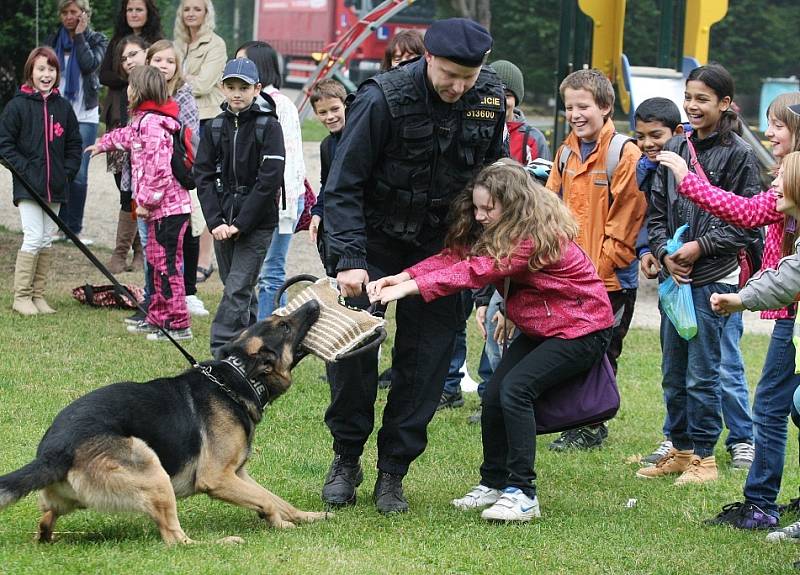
x=388, y=494
x=343, y=477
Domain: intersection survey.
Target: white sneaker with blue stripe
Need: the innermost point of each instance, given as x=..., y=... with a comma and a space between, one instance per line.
x=513, y=505
x=479, y=496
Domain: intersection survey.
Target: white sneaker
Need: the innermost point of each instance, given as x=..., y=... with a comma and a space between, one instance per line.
x=788, y=533
x=513, y=505
x=196, y=306
x=479, y=496
x=177, y=335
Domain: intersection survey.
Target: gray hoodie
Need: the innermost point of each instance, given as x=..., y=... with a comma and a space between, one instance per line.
x=774, y=288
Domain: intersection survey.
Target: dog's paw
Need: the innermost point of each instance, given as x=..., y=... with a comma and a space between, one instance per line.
x=231, y=540
x=311, y=516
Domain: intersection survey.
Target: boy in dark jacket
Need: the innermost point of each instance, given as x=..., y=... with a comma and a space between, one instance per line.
x=239, y=170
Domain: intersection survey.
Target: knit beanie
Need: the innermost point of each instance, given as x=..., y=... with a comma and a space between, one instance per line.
x=511, y=77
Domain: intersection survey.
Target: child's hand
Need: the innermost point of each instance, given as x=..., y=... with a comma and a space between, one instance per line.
x=504, y=328
x=675, y=163
x=93, y=150
x=313, y=228
x=650, y=266
x=142, y=212
x=233, y=232
x=374, y=288
x=392, y=293
x=726, y=304
x=679, y=272
x=221, y=232
x=480, y=319
x=687, y=254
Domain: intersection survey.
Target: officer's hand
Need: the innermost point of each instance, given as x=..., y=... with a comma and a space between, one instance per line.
x=350, y=282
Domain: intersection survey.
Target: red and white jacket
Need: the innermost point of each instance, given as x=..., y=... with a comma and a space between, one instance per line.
x=566, y=299
x=148, y=137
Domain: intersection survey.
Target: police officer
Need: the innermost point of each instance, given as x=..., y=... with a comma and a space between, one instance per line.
x=414, y=137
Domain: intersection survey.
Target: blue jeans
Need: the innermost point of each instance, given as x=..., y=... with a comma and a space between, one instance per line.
x=771, y=405
x=735, y=394
x=273, y=270
x=492, y=353
x=452, y=384
x=72, y=210
x=141, y=224
x=691, y=379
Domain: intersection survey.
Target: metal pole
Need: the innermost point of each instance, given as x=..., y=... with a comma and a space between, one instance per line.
x=563, y=67
x=666, y=34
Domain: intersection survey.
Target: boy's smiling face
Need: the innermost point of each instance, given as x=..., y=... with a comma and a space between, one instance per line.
x=239, y=94
x=330, y=111
x=585, y=117
x=651, y=137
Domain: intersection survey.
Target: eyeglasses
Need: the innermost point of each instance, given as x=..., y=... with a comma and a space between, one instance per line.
x=129, y=55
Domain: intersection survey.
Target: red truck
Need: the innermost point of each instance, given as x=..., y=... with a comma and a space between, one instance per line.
x=300, y=28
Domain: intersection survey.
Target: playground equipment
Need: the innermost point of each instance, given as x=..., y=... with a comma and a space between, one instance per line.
x=600, y=24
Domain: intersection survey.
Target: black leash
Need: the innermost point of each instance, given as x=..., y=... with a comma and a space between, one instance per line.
x=87, y=252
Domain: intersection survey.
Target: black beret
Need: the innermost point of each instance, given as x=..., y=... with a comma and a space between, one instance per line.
x=461, y=40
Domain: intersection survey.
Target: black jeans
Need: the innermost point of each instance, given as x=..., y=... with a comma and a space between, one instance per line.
x=622, y=304
x=508, y=424
x=423, y=346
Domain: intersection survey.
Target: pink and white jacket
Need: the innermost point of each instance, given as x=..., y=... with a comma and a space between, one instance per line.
x=566, y=299
x=752, y=212
x=148, y=137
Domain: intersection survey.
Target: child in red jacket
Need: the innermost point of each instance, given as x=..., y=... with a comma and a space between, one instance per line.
x=510, y=231
x=160, y=198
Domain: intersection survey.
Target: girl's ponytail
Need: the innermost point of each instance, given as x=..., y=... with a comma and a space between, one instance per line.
x=729, y=122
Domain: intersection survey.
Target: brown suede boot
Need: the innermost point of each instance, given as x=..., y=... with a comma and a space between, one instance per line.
x=699, y=471
x=23, y=283
x=126, y=232
x=40, y=280
x=672, y=463
x=137, y=264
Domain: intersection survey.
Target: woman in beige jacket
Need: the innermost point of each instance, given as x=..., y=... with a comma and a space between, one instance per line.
x=204, y=55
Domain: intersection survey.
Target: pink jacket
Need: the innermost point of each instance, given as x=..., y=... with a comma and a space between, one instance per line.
x=566, y=299
x=148, y=137
x=752, y=212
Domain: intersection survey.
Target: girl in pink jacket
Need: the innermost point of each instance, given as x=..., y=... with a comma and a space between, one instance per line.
x=511, y=232
x=160, y=199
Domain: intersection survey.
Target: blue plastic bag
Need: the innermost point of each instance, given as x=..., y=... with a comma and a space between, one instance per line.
x=676, y=299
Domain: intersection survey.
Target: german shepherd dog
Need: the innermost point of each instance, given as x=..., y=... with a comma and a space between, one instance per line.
x=137, y=447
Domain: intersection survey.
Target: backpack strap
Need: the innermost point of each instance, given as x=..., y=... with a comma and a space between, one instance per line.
x=216, y=130
x=614, y=153
x=563, y=156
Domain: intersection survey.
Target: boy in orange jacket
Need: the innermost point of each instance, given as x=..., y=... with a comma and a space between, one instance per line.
x=594, y=171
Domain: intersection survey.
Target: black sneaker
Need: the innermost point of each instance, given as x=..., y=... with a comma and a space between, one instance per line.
x=792, y=507
x=385, y=379
x=344, y=476
x=582, y=438
x=743, y=516
x=136, y=318
x=450, y=400
x=388, y=494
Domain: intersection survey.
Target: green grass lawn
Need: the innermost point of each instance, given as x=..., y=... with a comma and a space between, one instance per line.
x=46, y=361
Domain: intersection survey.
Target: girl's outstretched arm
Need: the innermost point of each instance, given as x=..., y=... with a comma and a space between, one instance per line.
x=752, y=212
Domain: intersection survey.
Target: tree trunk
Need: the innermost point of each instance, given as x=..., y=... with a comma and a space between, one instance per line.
x=478, y=10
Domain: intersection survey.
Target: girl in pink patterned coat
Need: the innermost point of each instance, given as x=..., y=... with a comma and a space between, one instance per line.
x=511, y=231
x=160, y=199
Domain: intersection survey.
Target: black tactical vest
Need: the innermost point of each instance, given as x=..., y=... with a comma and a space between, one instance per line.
x=431, y=156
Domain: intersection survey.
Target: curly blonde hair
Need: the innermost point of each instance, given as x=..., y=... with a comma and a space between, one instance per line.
x=529, y=212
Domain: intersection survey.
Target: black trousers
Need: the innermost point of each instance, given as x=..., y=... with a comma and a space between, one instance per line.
x=423, y=346
x=622, y=304
x=508, y=423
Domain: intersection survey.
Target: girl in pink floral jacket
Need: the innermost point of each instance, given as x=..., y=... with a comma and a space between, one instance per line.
x=515, y=234
x=160, y=199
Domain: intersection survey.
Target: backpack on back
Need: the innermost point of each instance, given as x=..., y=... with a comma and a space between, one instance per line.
x=184, y=145
x=613, y=155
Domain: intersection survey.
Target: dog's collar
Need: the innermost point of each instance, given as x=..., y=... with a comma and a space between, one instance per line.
x=259, y=390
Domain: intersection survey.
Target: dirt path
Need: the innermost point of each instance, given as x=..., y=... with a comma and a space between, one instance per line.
x=102, y=208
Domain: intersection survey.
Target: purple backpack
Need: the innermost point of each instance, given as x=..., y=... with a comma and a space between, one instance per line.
x=585, y=399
